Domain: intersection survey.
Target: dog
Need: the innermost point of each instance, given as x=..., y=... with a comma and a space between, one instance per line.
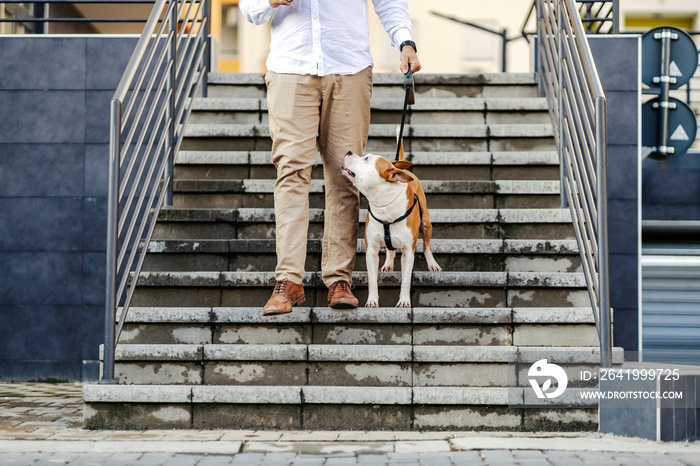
x=397, y=213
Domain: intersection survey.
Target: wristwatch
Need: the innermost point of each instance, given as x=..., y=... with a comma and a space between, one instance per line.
x=408, y=42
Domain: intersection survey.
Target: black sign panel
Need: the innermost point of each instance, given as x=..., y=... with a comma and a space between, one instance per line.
x=684, y=56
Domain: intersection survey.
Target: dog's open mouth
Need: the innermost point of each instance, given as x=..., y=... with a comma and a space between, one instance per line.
x=348, y=172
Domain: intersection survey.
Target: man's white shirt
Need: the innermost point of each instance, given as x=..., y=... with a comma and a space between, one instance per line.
x=324, y=37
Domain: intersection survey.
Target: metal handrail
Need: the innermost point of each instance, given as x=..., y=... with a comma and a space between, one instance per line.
x=577, y=105
x=148, y=113
x=40, y=18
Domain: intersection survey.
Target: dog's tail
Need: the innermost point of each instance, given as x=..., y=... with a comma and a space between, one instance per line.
x=398, y=136
x=401, y=162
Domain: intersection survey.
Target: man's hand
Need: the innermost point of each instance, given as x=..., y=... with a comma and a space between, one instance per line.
x=408, y=56
x=276, y=3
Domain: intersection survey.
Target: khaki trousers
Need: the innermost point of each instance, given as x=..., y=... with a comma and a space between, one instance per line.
x=308, y=115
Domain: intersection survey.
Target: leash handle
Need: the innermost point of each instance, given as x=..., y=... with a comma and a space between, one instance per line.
x=409, y=99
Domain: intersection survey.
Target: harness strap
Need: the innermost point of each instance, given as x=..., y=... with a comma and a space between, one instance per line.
x=387, y=232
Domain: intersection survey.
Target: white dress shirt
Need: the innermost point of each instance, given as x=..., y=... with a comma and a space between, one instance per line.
x=324, y=37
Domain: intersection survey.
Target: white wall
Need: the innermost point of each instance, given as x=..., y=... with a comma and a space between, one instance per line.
x=448, y=47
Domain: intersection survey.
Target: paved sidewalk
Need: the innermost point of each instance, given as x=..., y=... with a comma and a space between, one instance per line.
x=42, y=424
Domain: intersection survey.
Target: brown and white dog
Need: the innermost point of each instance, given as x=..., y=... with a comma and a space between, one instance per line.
x=397, y=213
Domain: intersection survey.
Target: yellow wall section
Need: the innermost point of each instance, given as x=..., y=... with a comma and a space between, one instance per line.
x=226, y=65
x=633, y=23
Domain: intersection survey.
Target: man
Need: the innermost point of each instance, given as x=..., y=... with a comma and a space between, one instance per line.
x=319, y=84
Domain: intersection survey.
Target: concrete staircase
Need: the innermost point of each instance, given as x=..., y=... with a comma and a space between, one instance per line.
x=196, y=351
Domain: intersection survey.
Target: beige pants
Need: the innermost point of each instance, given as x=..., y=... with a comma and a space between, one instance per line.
x=309, y=114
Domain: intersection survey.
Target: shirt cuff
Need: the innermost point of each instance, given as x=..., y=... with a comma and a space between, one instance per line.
x=268, y=11
x=402, y=35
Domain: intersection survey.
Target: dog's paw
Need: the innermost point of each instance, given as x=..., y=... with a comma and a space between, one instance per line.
x=372, y=303
x=435, y=268
x=387, y=268
x=404, y=303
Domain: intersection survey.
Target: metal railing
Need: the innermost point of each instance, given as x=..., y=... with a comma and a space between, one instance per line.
x=36, y=16
x=577, y=106
x=148, y=114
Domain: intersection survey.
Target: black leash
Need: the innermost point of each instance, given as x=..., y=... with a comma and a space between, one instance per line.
x=387, y=232
x=410, y=99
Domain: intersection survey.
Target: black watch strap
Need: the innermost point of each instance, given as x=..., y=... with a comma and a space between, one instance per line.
x=408, y=42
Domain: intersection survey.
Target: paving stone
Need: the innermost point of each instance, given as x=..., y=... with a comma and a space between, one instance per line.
x=340, y=461
x=215, y=460
x=247, y=458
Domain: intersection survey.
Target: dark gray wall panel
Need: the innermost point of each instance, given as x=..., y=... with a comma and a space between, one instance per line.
x=41, y=224
x=57, y=169
x=42, y=117
x=53, y=189
x=56, y=63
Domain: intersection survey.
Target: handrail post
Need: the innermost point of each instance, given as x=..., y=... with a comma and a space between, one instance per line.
x=616, y=16
x=504, y=50
x=207, y=46
x=560, y=103
x=605, y=317
x=170, y=110
x=115, y=117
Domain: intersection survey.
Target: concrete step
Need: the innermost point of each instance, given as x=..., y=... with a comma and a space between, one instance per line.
x=458, y=255
x=329, y=408
x=506, y=194
x=346, y=365
x=426, y=110
x=429, y=289
x=391, y=85
x=382, y=138
x=546, y=224
x=240, y=165
x=566, y=326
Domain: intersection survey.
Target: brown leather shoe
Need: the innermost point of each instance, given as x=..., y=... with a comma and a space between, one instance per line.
x=340, y=296
x=285, y=295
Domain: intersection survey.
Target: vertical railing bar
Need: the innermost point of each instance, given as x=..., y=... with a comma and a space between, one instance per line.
x=112, y=238
x=207, y=45
x=170, y=109
x=603, y=264
x=562, y=169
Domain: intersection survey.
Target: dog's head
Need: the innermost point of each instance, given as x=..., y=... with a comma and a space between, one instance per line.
x=371, y=172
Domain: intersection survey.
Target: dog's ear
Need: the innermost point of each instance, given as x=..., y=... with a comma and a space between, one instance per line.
x=401, y=175
x=394, y=174
x=402, y=164
x=390, y=173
